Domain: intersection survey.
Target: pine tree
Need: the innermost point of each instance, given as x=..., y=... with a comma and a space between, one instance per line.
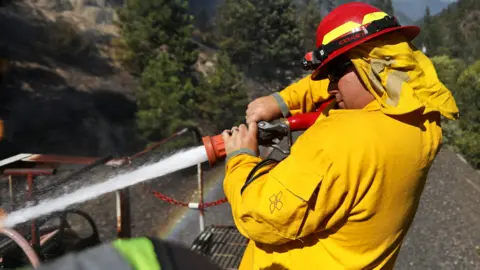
x=310, y=20
x=431, y=35
x=388, y=8
x=456, y=42
x=384, y=5
x=150, y=26
x=262, y=37
x=164, y=98
x=202, y=21
x=157, y=40
x=222, y=96
x=467, y=96
x=330, y=5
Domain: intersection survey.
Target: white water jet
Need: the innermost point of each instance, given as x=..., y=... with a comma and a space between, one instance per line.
x=175, y=162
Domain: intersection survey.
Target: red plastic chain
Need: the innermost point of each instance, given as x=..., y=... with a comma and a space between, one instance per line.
x=214, y=203
x=172, y=201
x=164, y=197
x=169, y=200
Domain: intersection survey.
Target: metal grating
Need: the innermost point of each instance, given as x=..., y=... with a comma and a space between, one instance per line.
x=224, y=245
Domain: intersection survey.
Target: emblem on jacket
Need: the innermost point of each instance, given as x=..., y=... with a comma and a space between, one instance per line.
x=276, y=202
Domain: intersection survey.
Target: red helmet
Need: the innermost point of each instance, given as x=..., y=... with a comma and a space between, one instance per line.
x=346, y=27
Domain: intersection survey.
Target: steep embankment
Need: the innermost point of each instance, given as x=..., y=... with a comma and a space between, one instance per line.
x=63, y=95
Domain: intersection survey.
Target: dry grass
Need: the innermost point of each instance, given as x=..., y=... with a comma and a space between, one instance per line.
x=120, y=54
x=66, y=39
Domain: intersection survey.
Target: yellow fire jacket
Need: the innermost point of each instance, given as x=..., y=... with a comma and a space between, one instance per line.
x=346, y=195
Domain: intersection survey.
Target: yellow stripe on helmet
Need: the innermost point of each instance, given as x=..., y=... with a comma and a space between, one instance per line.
x=373, y=16
x=350, y=26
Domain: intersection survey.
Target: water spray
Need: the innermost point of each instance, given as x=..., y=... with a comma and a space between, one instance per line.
x=178, y=161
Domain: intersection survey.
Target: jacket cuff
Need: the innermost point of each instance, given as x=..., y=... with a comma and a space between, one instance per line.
x=139, y=252
x=281, y=103
x=239, y=152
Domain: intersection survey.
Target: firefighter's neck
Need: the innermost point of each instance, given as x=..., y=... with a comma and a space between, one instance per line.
x=351, y=93
x=361, y=101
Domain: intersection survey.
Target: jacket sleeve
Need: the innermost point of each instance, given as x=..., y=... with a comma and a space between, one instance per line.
x=301, y=96
x=301, y=195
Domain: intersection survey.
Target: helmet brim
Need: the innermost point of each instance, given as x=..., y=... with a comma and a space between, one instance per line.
x=410, y=32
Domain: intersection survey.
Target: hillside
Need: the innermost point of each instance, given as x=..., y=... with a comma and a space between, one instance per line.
x=407, y=11
x=63, y=93
x=45, y=63
x=455, y=25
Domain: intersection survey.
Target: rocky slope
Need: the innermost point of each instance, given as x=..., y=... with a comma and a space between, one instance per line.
x=63, y=93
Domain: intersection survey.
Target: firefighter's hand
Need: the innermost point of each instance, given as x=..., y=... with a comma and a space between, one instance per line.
x=263, y=109
x=241, y=137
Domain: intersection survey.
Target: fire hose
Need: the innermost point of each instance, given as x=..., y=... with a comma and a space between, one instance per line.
x=269, y=133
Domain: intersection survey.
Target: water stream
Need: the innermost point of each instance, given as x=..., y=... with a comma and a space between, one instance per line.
x=175, y=162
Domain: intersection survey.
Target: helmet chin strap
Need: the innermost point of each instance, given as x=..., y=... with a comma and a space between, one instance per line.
x=313, y=59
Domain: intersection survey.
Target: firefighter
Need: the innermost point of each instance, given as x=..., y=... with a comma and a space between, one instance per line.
x=346, y=195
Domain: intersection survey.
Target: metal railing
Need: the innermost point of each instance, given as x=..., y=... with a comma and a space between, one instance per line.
x=122, y=196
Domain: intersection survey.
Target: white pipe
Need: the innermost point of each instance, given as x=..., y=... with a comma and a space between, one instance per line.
x=200, y=194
